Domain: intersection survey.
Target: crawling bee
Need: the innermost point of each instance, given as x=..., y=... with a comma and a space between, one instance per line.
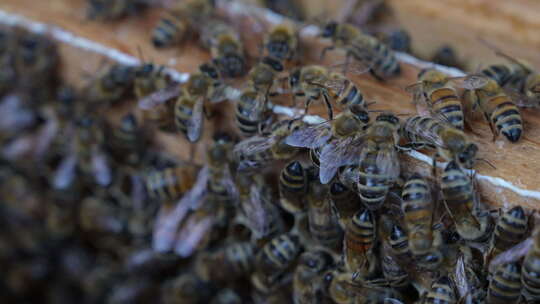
x=113, y=84
x=263, y=77
x=442, y=291
x=359, y=242
x=257, y=151
x=511, y=228
x=451, y=143
x=345, y=202
x=434, y=90
x=339, y=140
x=458, y=192
x=308, y=278
x=505, y=285
x=293, y=184
x=314, y=81
x=281, y=42
x=364, y=48
x=251, y=112
x=114, y=9
x=225, y=47
x=499, y=110
x=179, y=21
x=226, y=263
x=127, y=140
x=273, y=260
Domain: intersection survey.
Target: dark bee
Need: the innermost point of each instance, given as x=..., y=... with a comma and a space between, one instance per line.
x=225, y=47
x=442, y=291
x=281, y=42
x=115, y=83
x=345, y=202
x=293, y=185
x=511, y=228
x=251, y=112
x=446, y=55
x=233, y=261
x=308, y=278
x=359, y=242
x=505, y=285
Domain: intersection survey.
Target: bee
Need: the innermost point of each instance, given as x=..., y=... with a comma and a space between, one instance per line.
x=225, y=47
x=150, y=78
x=359, y=242
x=169, y=184
x=263, y=76
x=341, y=289
x=392, y=271
x=314, y=81
x=250, y=112
x=379, y=166
x=441, y=291
x=451, y=143
x=128, y=139
x=273, y=260
x=499, y=110
x=113, y=9
x=226, y=296
x=446, y=55
x=418, y=209
x=398, y=40
x=323, y=223
x=397, y=239
x=435, y=91
x=226, y=263
x=366, y=49
x=293, y=185
x=458, y=192
x=186, y=288
x=511, y=228
x=505, y=285
x=340, y=140
x=257, y=151
x=308, y=278
x=113, y=84
x=345, y=202
x=179, y=21
x=281, y=42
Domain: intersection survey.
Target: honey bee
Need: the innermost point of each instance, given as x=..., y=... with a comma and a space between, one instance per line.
x=511, y=228
x=314, y=81
x=446, y=55
x=273, y=260
x=281, y=42
x=179, y=21
x=442, y=291
x=451, y=143
x=128, y=139
x=345, y=202
x=418, y=209
x=293, y=185
x=392, y=271
x=186, y=288
x=226, y=296
x=250, y=112
x=257, y=151
x=505, y=285
x=468, y=277
x=379, y=162
x=225, y=47
x=499, y=110
x=111, y=85
x=308, y=278
x=434, y=90
x=226, y=263
x=323, y=223
x=263, y=76
x=340, y=140
x=359, y=242
x=341, y=289
x=170, y=183
x=364, y=48
x=113, y=9
x=458, y=192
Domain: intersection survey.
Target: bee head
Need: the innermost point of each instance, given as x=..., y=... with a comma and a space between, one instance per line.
x=360, y=113
x=329, y=29
x=468, y=155
x=273, y=63
x=209, y=70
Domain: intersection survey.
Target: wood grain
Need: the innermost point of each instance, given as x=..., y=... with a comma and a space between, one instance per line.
x=517, y=164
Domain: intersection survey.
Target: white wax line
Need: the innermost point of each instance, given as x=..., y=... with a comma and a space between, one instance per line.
x=67, y=37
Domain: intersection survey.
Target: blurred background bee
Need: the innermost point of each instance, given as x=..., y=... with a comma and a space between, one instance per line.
x=226, y=48
x=114, y=9
x=308, y=278
x=112, y=85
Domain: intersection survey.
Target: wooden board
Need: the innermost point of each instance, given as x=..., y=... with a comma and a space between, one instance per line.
x=512, y=182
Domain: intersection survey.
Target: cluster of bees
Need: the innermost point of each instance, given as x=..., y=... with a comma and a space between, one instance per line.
x=281, y=210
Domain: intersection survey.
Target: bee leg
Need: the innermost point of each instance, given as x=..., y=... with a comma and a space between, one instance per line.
x=326, y=49
x=306, y=108
x=328, y=106
x=434, y=166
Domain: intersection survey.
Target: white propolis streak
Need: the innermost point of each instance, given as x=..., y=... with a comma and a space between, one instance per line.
x=69, y=38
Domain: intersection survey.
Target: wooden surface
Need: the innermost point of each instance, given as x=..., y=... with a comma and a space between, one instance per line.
x=517, y=164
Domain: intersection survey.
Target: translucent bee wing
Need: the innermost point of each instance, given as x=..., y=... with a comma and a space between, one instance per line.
x=191, y=236
x=101, y=171
x=195, y=123
x=470, y=82
x=258, y=211
x=358, y=66
x=461, y=278
x=253, y=145
x=337, y=84
x=138, y=194
x=168, y=222
x=349, y=176
x=230, y=185
x=45, y=137
x=18, y=147
x=160, y=97
x=65, y=173
x=388, y=163
x=311, y=137
x=414, y=88
x=339, y=153
x=511, y=255
x=222, y=92
x=426, y=135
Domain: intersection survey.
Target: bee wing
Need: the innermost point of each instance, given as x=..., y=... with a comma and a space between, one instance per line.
x=339, y=153
x=160, y=97
x=336, y=83
x=191, y=235
x=65, y=173
x=45, y=137
x=426, y=135
x=258, y=211
x=18, y=147
x=101, y=171
x=461, y=278
x=222, y=92
x=469, y=82
x=195, y=123
x=358, y=66
x=388, y=163
x=513, y=254
x=230, y=185
x=168, y=222
x=253, y=145
x=311, y=137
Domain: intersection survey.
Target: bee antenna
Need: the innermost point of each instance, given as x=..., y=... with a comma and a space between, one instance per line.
x=487, y=162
